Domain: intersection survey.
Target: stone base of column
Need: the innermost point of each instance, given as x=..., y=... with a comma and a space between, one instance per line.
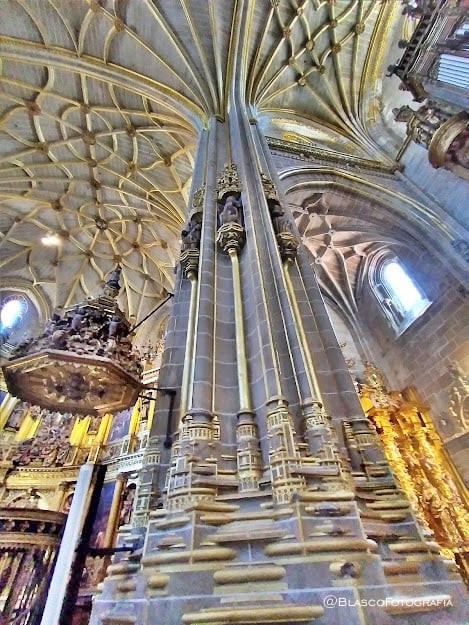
x=225, y=561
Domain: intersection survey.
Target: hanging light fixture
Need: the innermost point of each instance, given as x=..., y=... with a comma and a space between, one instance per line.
x=83, y=362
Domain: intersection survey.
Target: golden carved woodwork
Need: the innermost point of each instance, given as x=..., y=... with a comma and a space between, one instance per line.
x=48, y=448
x=415, y=452
x=28, y=543
x=40, y=457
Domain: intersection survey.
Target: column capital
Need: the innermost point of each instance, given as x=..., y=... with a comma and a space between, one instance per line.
x=288, y=244
x=189, y=260
x=231, y=237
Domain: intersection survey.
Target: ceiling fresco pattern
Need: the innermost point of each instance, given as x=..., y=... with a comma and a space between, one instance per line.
x=101, y=103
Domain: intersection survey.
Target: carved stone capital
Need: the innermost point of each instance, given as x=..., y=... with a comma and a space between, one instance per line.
x=189, y=260
x=231, y=236
x=315, y=416
x=198, y=199
x=288, y=244
x=269, y=188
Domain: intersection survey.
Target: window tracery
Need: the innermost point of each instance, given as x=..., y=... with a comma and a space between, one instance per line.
x=401, y=299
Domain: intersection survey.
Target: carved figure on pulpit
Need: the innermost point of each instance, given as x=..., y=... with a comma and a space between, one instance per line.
x=78, y=319
x=116, y=328
x=58, y=339
x=53, y=323
x=114, y=278
x=15, y=418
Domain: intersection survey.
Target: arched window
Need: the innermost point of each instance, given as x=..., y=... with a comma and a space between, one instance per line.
x=401, y=299
x=12, y=310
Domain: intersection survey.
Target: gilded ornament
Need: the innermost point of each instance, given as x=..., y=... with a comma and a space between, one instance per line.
x=459, y=397
x=119, y=25
x=414, y=451
x=32, y=107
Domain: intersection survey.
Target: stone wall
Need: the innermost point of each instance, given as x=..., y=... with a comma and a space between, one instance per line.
x=424, y=354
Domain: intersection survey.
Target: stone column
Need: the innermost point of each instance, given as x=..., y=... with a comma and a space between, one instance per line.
x=70, y=539
x=239, y=537
x=266, y=292
x=59, y=495
x=194, y=437
x=231, y=238
x=316, y=425
x=113, y=520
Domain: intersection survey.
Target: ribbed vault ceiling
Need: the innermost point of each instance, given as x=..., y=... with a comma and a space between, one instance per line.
x=343, y=234
x=313, y=59
x=101, y=102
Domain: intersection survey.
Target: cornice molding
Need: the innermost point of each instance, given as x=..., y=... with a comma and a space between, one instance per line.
x=313, y=153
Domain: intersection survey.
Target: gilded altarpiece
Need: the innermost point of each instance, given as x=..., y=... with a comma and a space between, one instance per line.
x=418, y=459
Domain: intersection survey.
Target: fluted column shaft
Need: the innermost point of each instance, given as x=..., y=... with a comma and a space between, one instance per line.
x=243, y=380
x=200, y=395
x=113, y=519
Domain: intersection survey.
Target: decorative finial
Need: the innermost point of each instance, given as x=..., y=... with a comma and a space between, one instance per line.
x=113, y=286
x=228, y=182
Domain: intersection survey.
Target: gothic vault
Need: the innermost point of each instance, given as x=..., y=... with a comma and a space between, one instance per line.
x=263, y=164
